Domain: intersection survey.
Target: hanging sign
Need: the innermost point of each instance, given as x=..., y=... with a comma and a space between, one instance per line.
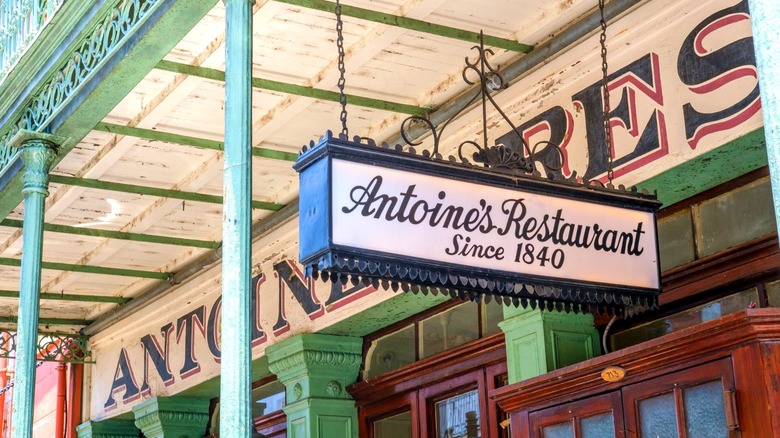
x=370, y=214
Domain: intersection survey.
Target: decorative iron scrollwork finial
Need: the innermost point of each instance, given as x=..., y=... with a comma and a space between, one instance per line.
x=524, y=159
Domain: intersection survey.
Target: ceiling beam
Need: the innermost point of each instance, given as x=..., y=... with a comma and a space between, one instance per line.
x=70, y=297
x=185, y=140
x=88, y=269
x=411, y=24
x=152, y=191
x=120, y=235
x=298, y=90
x=49, y=321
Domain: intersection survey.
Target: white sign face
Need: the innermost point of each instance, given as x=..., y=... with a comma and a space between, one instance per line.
x=413, y=215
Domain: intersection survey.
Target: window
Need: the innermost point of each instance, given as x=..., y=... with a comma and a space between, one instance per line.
x=688, y=318
x=694, y=229
x=268, y=399
x=441, y=396
x=445, y=327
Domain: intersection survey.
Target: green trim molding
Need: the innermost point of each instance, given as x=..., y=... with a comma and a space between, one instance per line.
x=710, y=169
x=412, y=24
x=297, y=90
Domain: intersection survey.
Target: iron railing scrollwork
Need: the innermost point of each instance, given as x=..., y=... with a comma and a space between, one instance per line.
x=103, y=40
x=50, y=348
x=21, y=21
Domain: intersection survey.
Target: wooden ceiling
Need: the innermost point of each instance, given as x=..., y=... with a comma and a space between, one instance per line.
x=151, y=172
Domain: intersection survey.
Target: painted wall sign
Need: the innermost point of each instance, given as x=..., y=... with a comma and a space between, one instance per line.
x=176, y=343
x=682, y=82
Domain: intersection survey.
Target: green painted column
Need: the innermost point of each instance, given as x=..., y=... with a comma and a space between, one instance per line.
x=37, y=155
x=174, y=417
x=538, y=342
x=315, y=370
x=236, y=374
x=107, y=429
x=765, y=18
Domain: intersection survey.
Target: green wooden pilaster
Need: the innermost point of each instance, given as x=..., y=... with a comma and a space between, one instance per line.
x=38, y=155
x=174, y=417
x=538, y=341
x=107, y=429
x=315, y=370
x=765, y=18
x=236, y=375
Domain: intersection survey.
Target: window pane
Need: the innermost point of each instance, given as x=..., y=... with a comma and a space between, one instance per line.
x=687, y=318
x=705, y=416
x=458, y=417
x=747, y=213
x=390, y=352
x=267, y=398
x=598, y=426
x=657, y=417
x=675, y=240
x=449, y=329
x=397, y=426
x=773, y=293
x=560, y=430
x=492, y=314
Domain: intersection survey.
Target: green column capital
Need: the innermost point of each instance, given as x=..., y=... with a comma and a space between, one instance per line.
x=539, y=341
x=177, y=417
x=107, y=429
x=316, y=370
x=316, y=365
x=38, y=155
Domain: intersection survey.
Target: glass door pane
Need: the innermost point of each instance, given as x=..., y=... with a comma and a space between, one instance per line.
x=598, y=426
x=705, y=415
x=561, y=430
x=658, y=417
x=397, y=426
x=458, y=416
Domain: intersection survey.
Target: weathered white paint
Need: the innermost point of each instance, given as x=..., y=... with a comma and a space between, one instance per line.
x=274, y=296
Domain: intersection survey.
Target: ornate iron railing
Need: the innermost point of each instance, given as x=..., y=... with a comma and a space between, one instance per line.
x=21, y=21
x=52, y=347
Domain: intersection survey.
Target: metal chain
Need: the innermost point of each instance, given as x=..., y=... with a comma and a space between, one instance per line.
x=342, y=69
x=605, y=92
x=11, y=384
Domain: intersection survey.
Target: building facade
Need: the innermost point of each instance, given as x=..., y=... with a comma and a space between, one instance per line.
x=146, y=164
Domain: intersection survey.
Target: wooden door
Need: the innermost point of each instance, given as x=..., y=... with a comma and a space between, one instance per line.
x=596, y=417
x=693, y=403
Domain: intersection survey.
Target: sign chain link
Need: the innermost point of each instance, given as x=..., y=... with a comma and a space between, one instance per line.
x=342, y=69
x=605, y=92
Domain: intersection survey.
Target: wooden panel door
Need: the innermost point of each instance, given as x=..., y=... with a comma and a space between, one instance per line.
x=596, y=417
x=694, y=403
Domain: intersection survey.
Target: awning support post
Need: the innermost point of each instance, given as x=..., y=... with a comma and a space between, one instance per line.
x=38, y=155
x=236, y=358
